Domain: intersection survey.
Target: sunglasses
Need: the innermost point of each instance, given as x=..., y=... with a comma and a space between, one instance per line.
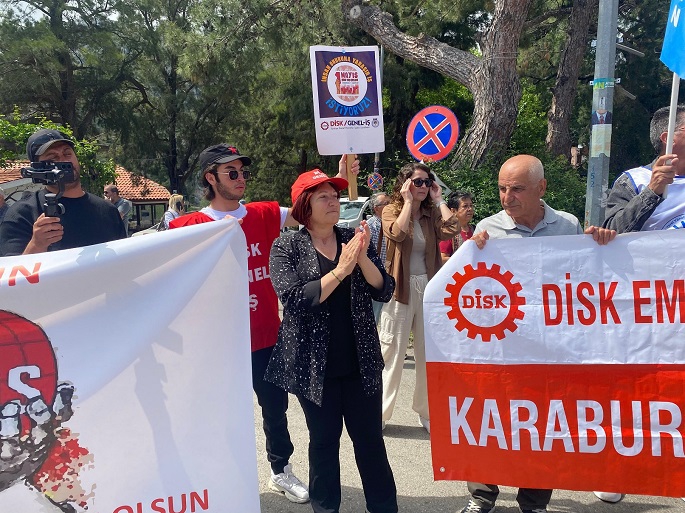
x=233, y=174
x=419, y=182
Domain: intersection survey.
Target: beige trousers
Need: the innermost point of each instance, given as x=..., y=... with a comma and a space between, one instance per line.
x=396, y=322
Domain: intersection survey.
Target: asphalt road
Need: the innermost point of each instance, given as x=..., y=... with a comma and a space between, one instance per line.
x=408, y=447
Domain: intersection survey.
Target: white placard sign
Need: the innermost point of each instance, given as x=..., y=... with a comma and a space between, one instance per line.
x=348, y=107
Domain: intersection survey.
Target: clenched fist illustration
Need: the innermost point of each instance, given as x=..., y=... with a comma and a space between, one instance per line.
x=35, y=446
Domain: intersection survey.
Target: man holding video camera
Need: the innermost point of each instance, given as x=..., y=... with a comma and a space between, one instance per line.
x=85, y=219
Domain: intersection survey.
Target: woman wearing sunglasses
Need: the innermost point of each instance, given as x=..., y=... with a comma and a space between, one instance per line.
x=414, y=222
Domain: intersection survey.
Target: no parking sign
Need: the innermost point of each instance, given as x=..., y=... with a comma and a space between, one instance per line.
x=375, y=181
x=432, y=133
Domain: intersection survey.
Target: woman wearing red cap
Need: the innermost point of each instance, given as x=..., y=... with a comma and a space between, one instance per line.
x=328, y=353
x=416, y=219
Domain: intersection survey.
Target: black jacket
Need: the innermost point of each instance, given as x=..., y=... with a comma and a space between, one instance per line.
x=298, y=362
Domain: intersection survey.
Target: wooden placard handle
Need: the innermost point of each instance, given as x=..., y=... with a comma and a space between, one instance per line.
x=352, y=179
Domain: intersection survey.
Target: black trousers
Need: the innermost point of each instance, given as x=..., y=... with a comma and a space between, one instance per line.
x=274, y=403
x=528, y=498
x=345, y=400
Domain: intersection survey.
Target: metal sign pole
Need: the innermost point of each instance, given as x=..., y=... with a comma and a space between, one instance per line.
x=377, y=156
x=602, y=113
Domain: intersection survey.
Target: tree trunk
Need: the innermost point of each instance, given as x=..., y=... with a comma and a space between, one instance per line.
x=498, y=91
x=64, y=99
x=171, y=159
x=493, y=79
x=558, y=139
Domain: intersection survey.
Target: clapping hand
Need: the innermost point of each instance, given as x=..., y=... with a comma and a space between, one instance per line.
x=365, y=231
x=350, y=254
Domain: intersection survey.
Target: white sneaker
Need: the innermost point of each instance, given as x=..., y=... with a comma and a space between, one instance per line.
x=288, y=484
x=609, y=497
x=383, y=425
x=474, y=507
x=425, y=424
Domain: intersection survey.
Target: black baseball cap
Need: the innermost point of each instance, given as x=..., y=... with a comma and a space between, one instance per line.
x=42, y=139
x=220, y=154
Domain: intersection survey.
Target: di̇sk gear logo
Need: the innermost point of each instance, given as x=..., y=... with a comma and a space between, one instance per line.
x=474, y=291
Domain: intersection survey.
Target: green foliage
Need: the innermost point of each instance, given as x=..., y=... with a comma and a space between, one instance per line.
x=565, y=187
x=531, y=124
x=60, y=59
x=481, y=183
x=14, y=134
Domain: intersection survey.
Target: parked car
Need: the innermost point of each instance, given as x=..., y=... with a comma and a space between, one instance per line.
x=352, y=212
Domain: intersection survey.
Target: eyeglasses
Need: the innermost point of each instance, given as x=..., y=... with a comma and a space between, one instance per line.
x=233, y=174
x=419, y=182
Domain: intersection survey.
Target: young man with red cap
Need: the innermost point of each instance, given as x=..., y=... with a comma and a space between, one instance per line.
x=224, y=175
x=87, y=219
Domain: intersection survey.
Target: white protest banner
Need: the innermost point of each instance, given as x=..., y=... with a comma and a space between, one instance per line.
x=125, y=380
x=348, y=107
x=554, y=362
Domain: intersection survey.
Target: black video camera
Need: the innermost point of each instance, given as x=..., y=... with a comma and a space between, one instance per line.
x=51, y=173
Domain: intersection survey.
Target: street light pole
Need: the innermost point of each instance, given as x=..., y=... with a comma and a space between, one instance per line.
x=602, y=113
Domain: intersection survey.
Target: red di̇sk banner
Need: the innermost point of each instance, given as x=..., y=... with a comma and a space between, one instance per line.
x=557, y=363
x=125, y=380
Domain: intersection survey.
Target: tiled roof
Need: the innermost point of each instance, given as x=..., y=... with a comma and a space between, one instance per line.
x=139, y=189
x=132, y=187
x=13, y=171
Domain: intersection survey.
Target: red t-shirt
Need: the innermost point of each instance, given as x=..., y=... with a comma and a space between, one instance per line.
x=447, y=246
x=261, y=226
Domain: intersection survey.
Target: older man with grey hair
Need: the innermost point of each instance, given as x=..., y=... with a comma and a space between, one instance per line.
x=522, y=185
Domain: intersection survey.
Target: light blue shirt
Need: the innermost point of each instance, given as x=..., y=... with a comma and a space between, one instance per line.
x=555, y=222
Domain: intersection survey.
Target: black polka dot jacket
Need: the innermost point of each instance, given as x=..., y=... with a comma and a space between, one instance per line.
x=298, y=362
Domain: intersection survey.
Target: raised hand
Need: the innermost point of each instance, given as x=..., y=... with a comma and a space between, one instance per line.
x=342, y=167
x=436, y=192
x=405, y=191
x=663, y=173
